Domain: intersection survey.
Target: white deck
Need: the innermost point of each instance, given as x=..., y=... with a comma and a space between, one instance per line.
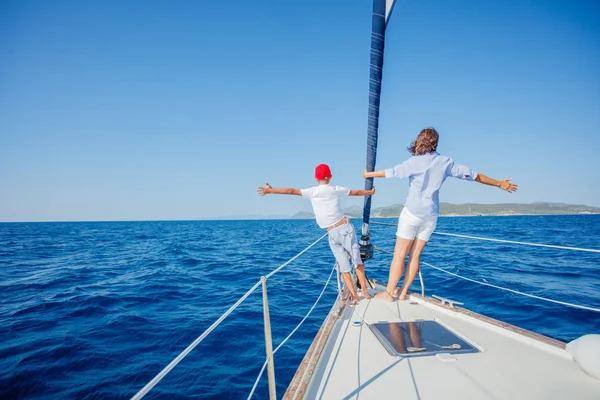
x=355, y=365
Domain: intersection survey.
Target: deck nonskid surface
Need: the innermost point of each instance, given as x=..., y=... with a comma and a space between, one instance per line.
x=355, y=364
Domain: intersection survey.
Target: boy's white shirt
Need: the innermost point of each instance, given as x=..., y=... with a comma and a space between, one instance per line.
x=325, y=200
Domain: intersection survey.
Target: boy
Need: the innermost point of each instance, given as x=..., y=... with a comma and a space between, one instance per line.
x=325, y=200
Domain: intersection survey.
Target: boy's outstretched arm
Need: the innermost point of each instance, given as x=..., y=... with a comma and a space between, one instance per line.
x=505, y=184
x=374, y=174
x=362, y=192
x=267, y=189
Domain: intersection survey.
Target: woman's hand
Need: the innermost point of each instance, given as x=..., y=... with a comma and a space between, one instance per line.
x=508, y=186
x=374, y=174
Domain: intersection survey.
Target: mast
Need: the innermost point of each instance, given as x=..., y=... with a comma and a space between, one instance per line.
x=382, y=10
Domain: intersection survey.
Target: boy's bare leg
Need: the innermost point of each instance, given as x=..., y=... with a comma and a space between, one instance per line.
x=348, y=279
x=362, y=278
x=413, y=266
x=396, y=269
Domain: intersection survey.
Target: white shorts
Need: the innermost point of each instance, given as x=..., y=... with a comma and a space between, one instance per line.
x=410, y=226
x=344, y=245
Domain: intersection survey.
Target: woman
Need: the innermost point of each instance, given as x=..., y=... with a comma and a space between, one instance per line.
x=426, y=171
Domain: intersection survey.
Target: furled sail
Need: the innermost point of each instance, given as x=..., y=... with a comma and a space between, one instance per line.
x=382, y=10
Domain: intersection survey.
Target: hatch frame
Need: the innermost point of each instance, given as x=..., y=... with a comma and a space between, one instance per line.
x=432, y=344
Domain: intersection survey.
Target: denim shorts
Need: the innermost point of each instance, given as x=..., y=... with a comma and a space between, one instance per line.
x=344, y=245
x=410, y=226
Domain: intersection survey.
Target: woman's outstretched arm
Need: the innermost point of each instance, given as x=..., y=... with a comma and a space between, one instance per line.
x=374, y=174
x=399, y=171
x=504, y=184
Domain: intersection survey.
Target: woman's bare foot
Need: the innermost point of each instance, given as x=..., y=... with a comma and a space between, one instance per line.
x=398, y=293
x=385, y=296
x=366, y=294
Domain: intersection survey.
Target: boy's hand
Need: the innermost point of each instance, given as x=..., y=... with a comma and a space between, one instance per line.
x=365, y=173
x=262, y=190
x=372, y=190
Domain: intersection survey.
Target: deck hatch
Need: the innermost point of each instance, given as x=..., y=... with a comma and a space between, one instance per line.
x=419, y=338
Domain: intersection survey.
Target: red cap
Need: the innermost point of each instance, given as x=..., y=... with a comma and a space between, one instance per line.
x=322, y=172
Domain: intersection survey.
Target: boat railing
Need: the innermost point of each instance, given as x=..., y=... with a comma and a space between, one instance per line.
x=269, y=362
x=551, y=246
x=583, y=307
x=564, y=303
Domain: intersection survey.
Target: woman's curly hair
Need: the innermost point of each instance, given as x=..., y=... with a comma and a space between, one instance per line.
x=425, y=143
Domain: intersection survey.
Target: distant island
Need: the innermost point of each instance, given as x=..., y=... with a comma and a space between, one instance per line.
x=472, y=209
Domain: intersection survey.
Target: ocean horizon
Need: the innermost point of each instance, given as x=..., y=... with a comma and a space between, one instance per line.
x=266, y=218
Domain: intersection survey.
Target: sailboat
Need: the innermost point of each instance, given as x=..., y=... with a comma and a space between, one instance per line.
x=423, y=347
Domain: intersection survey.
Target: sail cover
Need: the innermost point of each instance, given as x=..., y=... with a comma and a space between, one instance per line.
x=382, y=9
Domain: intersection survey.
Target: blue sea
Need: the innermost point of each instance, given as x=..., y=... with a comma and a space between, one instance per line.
x=94, y=310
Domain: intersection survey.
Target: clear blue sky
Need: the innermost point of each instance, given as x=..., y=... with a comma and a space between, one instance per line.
x=127, y=110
